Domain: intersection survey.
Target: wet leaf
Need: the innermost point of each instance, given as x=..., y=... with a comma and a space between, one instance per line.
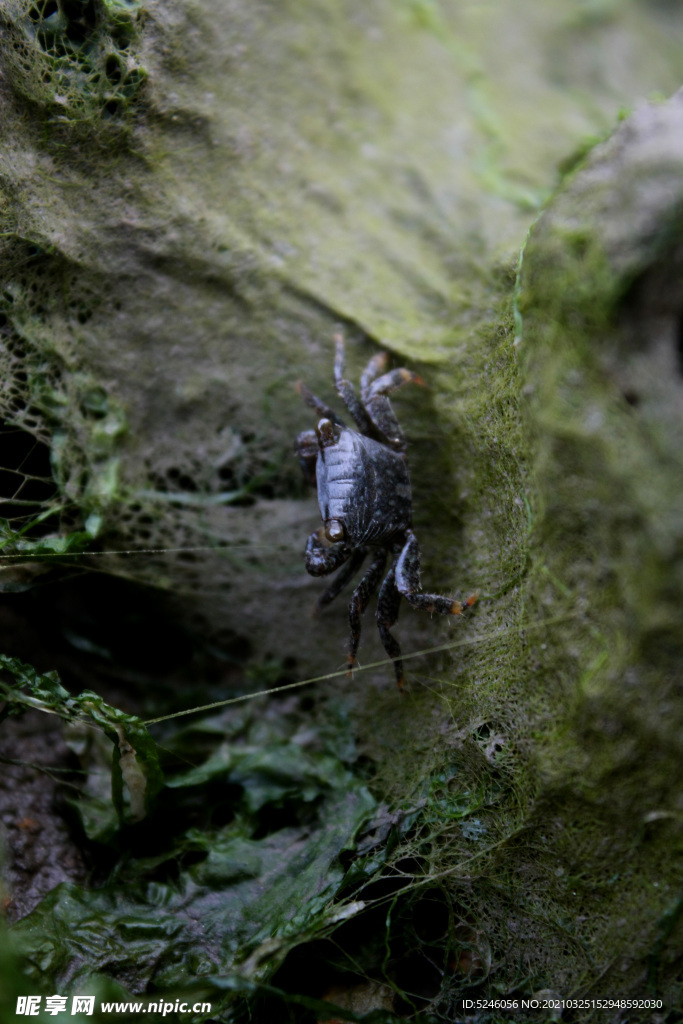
x=136, y=777
x=237, y=911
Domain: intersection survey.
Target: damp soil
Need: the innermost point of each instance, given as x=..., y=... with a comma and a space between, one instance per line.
x=40, y=848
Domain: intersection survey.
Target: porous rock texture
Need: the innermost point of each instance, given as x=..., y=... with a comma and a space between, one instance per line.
x=197, y=199
x=194, y=200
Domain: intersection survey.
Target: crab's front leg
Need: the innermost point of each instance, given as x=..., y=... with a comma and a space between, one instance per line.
x=408, y=583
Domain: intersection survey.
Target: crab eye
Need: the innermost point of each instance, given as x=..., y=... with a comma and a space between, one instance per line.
x=325, y=432
x=334, y=530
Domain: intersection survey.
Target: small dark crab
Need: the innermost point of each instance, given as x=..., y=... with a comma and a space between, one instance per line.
x=365, y=503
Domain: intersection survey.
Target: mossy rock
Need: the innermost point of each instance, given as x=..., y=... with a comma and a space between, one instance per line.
x=267, y=178
x=164, y=293
x=603, y=379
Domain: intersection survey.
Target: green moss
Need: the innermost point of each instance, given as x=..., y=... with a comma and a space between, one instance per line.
x=376, y=172
x=604, y=489
x=77, y=62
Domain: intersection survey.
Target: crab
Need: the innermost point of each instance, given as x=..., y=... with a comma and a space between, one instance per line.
x=365, y=502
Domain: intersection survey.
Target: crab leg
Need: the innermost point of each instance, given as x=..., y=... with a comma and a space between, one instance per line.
x=408, y=582
x=313, y=402
x=359, y=602
x=342, y=578
x=388, y=605
x=346, y=389
x=372, y=371
x=379, y=408
x=307, y=444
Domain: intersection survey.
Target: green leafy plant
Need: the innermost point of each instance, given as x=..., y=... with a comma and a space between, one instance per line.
x=136, y=777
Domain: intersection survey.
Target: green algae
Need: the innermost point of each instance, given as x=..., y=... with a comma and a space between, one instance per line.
x=285, y=179
x=77, y=63
x=607, y=524
x=254, y=212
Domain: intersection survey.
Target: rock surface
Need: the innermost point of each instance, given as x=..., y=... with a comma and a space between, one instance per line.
x=255, y=180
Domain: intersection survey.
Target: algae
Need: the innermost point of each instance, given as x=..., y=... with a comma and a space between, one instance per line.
x=376, y=177
x=608, y=527
x=286, y=169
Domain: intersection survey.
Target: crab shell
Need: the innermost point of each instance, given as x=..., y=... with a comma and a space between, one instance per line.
x=364, y=486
